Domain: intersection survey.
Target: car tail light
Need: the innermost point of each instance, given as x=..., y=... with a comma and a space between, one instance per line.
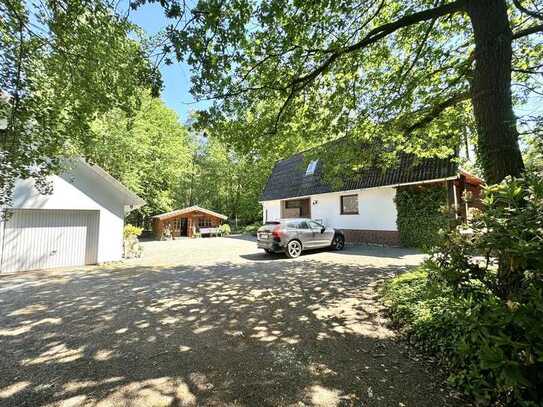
x=276, y=233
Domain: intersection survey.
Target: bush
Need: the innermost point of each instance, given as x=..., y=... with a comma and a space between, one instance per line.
x=131, y=245
x=251, y=229
x=421, y=215
x=224, y=229
x=493, y=350
x=131, y=230
x=478, y=301
x=508, y=234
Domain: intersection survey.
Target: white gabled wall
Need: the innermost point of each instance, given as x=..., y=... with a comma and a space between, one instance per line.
x=80, y=190
x=376, y=210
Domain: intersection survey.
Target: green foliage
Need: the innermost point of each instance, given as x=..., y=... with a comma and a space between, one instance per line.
x=493, y=350
x=421, y=215
x=170, y=167
x=222, y=180
x=233, y=164
x=478, y=302
x=155, y=156
x=61, y=67
x=225, y=229
x=131, y=231
x=325, y=70
x=508, y=233
x=149, y=151
x=533, y=155
x=131, y=245
x=251, y=229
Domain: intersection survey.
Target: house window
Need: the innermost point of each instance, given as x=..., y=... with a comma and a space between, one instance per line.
x=311, y=167
x=349, y=205
x=175, y=224
x=204, y=222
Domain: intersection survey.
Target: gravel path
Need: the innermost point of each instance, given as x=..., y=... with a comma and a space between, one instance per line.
x=210, y=322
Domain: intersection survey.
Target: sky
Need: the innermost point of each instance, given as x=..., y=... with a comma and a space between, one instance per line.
x=176, y=77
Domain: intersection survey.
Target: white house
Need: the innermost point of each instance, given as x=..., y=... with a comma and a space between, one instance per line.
x=364, y=205
x=81, y=222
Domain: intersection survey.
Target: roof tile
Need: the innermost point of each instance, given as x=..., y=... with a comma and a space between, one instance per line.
x=288, y=177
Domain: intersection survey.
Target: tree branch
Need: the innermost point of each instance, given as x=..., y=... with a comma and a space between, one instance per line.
x=528, y=31
x=436, y=110
x=523, y=9
x=377, y=34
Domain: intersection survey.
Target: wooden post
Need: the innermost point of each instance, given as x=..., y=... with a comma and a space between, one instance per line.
x=455, y=201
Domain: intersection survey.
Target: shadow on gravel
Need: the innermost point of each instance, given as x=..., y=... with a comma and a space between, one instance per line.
x=253, y=334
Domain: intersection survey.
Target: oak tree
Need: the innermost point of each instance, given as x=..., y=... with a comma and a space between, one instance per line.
x=403, y=72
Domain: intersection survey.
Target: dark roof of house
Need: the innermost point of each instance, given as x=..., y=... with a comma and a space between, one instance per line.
x=288, y=178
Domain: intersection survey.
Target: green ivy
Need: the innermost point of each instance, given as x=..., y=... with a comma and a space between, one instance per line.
x=421, y=215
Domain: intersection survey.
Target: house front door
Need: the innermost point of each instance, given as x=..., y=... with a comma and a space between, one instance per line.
x=296, y=208
x=183, y=227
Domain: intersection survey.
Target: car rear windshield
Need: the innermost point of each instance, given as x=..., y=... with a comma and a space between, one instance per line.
x=272, y=223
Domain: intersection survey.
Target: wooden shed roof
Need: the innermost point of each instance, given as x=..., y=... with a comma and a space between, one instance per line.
x=194, y=208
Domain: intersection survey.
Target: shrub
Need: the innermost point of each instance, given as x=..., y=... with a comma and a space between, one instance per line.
x=508, y=233
x=251, y=229
x=131, y=230
x=478, y=301
x=131, y=244
x=224, y=229
x=421, y=215
x=493, y=350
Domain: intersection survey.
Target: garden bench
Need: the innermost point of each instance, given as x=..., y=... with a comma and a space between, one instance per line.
x=209, y=231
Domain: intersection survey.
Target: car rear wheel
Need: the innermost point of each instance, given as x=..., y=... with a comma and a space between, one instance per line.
x=294, y=249
x=338, y=243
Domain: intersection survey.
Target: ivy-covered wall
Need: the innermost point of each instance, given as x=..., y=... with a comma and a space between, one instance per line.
x=421, y=214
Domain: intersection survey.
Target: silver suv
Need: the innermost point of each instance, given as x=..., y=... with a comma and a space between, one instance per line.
x=292, y=236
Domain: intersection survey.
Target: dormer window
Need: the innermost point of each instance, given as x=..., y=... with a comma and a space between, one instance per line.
x=311, y=167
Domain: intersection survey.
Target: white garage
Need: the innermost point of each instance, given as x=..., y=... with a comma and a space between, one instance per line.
x=80, y=223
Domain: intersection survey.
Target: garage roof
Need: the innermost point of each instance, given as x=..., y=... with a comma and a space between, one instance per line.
x=128, y=197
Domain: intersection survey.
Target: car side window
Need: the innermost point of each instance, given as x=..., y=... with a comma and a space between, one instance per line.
x=315, y=225
x=292, y=225
x=303, y=225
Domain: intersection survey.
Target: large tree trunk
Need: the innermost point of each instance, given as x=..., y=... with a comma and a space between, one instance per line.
x=498, y=147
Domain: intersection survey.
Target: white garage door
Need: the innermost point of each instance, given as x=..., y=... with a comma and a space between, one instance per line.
x=38, y=239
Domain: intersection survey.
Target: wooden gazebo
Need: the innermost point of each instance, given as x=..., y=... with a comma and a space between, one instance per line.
x=186, y=222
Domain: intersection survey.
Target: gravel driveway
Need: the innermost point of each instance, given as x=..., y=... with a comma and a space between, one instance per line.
x=210, y=322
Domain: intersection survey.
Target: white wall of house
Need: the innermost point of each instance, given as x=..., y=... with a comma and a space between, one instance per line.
x=271, y=210
x=80, y=189
x=376, y=210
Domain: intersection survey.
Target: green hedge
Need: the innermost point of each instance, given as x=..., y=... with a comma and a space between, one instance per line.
x=421, y=215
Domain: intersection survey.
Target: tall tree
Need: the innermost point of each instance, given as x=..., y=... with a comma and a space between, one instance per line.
x=387, y=69
x=148, y=150
x=62, y=63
